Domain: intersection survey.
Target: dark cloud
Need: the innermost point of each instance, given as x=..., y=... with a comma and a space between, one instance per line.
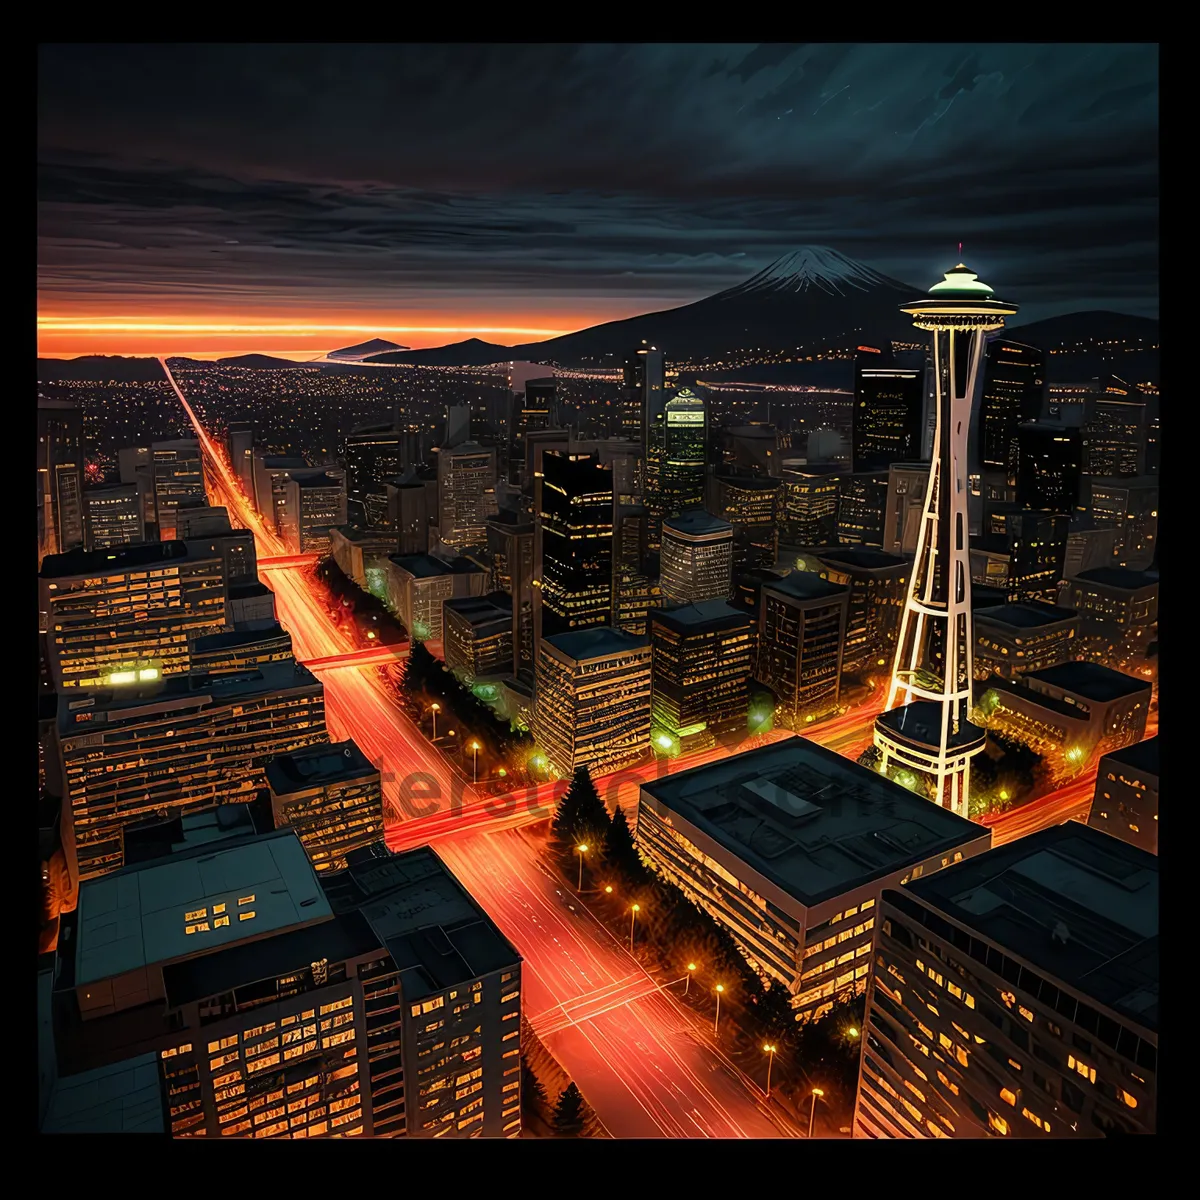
x=638, y=175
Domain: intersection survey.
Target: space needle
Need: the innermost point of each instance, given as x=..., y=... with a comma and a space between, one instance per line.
x=926, y=724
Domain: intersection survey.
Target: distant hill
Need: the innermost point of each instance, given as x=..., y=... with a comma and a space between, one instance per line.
x=100, y=367
x=259, y=362
x=1078, y=330
x=474, y=352
x=364, y=350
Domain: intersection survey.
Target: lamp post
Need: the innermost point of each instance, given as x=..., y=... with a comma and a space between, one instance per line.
x=813, y=1111
x=474, y=762
x=581, y=850
x=770, y=1050
x=717, y=1019
x=688, y=982
x=435, y=709
x=633, y=912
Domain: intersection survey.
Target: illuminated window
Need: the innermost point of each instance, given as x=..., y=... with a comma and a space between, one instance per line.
x=999, y=1124
x=1127, y=1099
x=246, y=899
x=196, y=915
x=246, y=916
x=1025, y=1012
x=947, y=1082
x=1008, y=1096
x=220, y=921
x=1089, y=1073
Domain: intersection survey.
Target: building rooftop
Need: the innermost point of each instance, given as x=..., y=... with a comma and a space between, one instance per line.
x=812, y=822
x=601, y=642
x=1030, y=614
x=426, y=566
x=282, y=462
x=324, y=480
x=138, y=917
x=433, y=929
x=1141, y=756
x=1089, y=680
x=1122, y=482
x=750, y=483
x=180, y=692
x=983, y=596
x=317, y=766
x=125, y=1097
x=243, y=591
x=1073, y=902
x=697, y=523
x=805, y=585
x=480, y=611
x=161, y=838
x=358, y=535
x=116, y=558
x=862, y=557
x=229, y=638
x=706, y=614
x=1118, y=577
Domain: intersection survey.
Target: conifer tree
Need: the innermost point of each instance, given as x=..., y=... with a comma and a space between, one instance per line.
x=568, y=1112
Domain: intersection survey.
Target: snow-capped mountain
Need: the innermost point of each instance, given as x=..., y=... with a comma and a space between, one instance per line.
x=815, y=267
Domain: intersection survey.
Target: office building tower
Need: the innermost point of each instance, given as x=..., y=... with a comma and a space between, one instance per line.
x=271, y=475
x=637, y=595
x=1016, y=996
x=510, y=549
x=417, y=585
x=888, y=407
x=374, y=1001
x=676, y=459
x=466, y=494
x=593, y=699
x=1023, y=551
x=630, y=538
x=533, y=412
x=316, y=504
x=1088, y=546
x=809, y=504
x=575, y=571
x=114, y=515
x=129, y=610
x=412, y=502
x=1013, y=639
x=789, y=848
x=195, y=517
x=751, y=449
x=904, y=508
x=1072, y=710
x=477, y=634
x=701, y=658
x=1125, y=804
x=876, y=583
x=236, y=550
x=331, y=796
x=1114, y=432
x=359, y=551
x=1129, y=506
x=750, y=505
x=862, y=508
x=456, y=428
x=1048, y=466
x=801, y=638
x=238, y=651
x=373, y=455
x=697, y=558
x=60, y=477
x=178, y=475
x=1118, y=613
x=925, y=726
x=644, y=383
x=240, y=444
x=199, y=742
x=1014, y=385
x=251, y=605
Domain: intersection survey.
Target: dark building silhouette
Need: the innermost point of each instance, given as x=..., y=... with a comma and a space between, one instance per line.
x=1014, y=382
x=1048, y=466
x=887, y=422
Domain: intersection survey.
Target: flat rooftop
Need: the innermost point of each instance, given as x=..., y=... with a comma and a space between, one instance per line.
x=240, y=637
x=243, y=591
x=425, y=566
x=805, y=585
x=697, y=523
x=1141, y=756
x=323, y=481
x=280, y=462
x=317, y=766
x=433, y=929
x=126, y=1097
x=138, y=917
x=601, y=642
x=358, y=535
x=863, y=557
x=1075, y=903
x=706, y=614
x=1030, y=614
x=133, y=557
x=750, y=483
x=1119, y=577
x=812, y=822
x=1090, y=680
x=480, y=610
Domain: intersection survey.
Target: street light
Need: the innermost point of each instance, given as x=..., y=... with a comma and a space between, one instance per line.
x=435, y=709
x=688, y=982
x=717, y=1020
x=581, y=850
x=608, y=889
x=633, y=912
x=813, y=1111
x=852, y=1031
x=474, y=762
x=769, y=1049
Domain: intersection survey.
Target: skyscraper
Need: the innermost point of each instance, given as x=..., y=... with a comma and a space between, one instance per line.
x=862, y=508
x=510, y=549
x=642, y=394
x=1014, y=386
x=114, y=515
x=888, y=403
x=240, y=443
x=576, y=543
x=316, y=503
x=178, y=474
x=1049, y=466
x=373, y=455
x=676, y=458
x=697, y=558
x=466, y=494
x=809, y=504
x=533, y=411
x=60, y=477
x=905, y=506
x=1114, y=430
x=926, y=726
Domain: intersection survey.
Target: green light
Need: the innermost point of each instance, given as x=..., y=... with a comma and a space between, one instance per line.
x=961, y=279
x=420, y=631
x=906, y=779
x=664, y=741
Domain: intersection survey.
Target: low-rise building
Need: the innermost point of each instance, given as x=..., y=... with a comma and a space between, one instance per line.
x=113, y=515
x=315, y=504
x=1016, y=996
x=355, y=550
x=1125, y=804
x=478, y=635
x=236, y=651
x=789, y=847
x=331, y=796
x=419, y=584
x=250, y=605
x=1013, y=639
x=1118, y=613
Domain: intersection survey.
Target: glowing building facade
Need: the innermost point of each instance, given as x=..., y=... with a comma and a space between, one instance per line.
x=1125, y=803
x=887, y=423
x=60, y=476
x=178, y=474
x=676, y=457
x=466, y=494
x=926, y=725
x=697, y=558
x=1014, y=385
x=114, y=515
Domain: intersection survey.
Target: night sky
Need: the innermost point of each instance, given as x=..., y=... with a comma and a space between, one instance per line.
x=512, y=191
